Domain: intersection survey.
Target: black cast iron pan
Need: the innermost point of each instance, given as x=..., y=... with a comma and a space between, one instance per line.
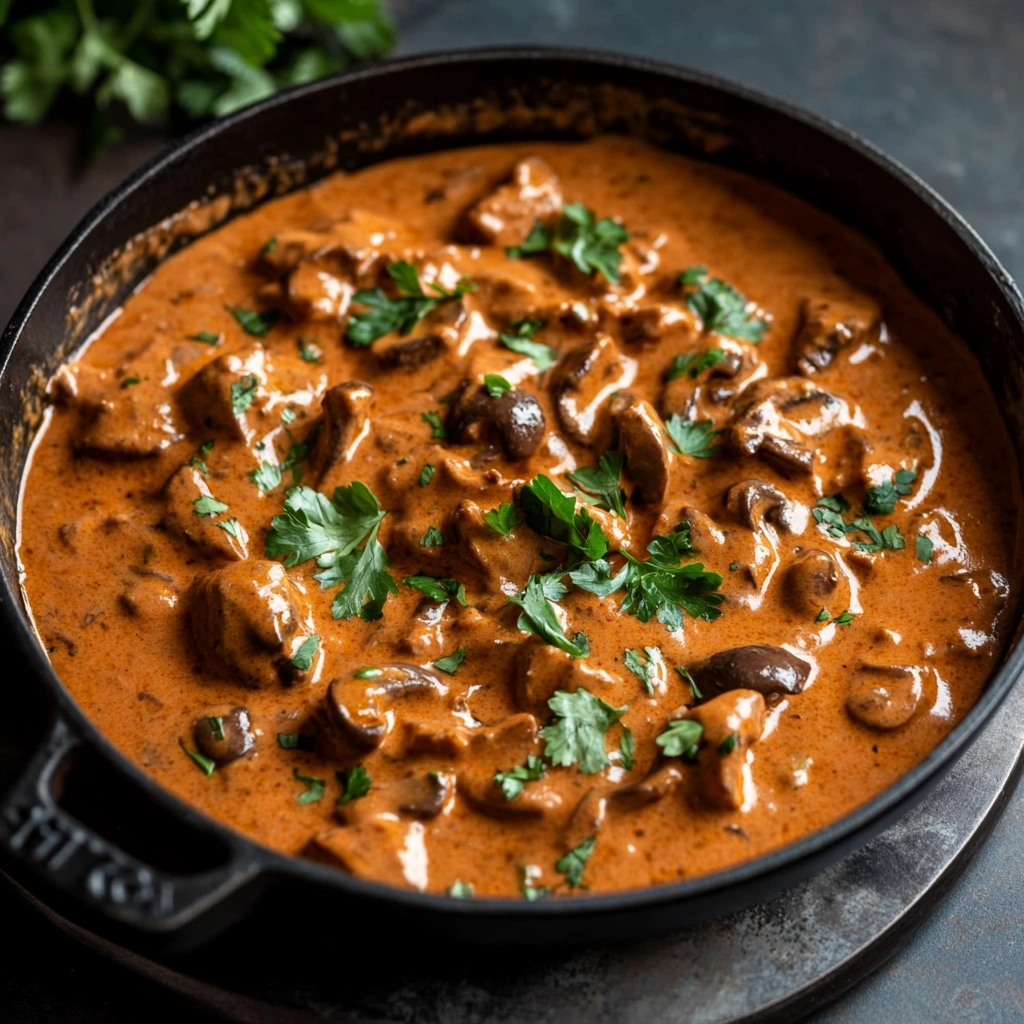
x=88, y=831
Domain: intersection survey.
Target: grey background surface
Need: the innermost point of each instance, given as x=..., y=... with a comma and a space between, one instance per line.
x=937, y=83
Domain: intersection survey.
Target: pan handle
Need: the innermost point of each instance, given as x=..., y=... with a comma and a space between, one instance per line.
x=83, y=865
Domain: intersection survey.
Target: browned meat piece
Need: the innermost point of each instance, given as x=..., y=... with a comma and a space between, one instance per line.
x=662, y=782
x=649, y=323
x=506, y=216
x=415, y=797
x=248, y=620
x=884, y=696
x=756, y=667
x=222, y=394
x=505, y=563
x=586, y=820
x=583, y=382
x=827, y=325
x=184, y=514
x=373, y=848
x=223, y=733
x=127, y=426
x=410, y=354
x=810, y=581
x=753, y=502
x=344, y=423
x=541, y=669
x=313, y=292
x=732, y=722
x=648, y=460
x=515, y=416
x=148, y=593
x=357, y=708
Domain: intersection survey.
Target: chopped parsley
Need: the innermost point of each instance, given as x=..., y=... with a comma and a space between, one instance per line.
x=270, y=244
x=544, y=356
x=267, y=477
x=341, y=534
x=384, y=314
x=572, y=864
x=539, y=615
x=450, y=664
x=438, y=589
x=690, y=682
x=721, y=307
x=728, y=744
x=208, y=505
x=204, y=764
x=460, y=890
x=438, y=431
x=514, y=781
x=694, y=439
x=426, y=475
x=591, y=244
x=295, y=741
x=254, y=322
x=496, y=385
x=206, y=337
x=627, y=747
x=216, y=726
x=503, y=519
x=528, y=874
x=287, y=416
x=648, y=672
x=881, y=500
x=680, y=738
x=355, y=783
x=129, y=381
x=924, y=548
x=552, y=513
x=433, y=538
x=314, y=787
x=231, y=527
x=302, y=659
x=577, y=737
x=310, y=351
x=369, y=672
x=822, y=616
x=602, y=482
x=828, y=514
x=243, y=391
x=693, y=363
x=845, y=619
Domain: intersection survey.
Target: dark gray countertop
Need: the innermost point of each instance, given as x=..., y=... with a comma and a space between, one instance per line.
x=937, y=83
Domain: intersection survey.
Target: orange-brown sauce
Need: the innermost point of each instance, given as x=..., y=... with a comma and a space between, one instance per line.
x=110, y=552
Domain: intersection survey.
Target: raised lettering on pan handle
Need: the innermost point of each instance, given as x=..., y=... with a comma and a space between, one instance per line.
x=78, y=861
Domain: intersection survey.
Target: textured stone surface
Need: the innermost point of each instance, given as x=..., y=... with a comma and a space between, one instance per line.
x=937, y=83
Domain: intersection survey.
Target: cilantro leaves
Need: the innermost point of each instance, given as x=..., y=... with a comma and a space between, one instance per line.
x=355, y=783
x=649, y=672
x=578, y=735
x=331, y=530
x=519, y=341
x=503, y=519
x=552, y=513
x=603, y=482
x=681, y=737
x=255, y=322
x=694, y=439
x=438, y=589
x=384, y=314
x=720, y=307
x=571, y=865
x=514, y=781
x=881, y=500
x=591, y=244
x=693, y=363
x=540, y=617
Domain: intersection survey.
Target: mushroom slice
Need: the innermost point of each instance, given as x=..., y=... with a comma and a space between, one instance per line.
x=358, y=708
x=245, y=619
x=884, y=696
x=516, y=416
x=810, y=581
x=508, y=214
x=224, y=733
x=755, y=667
x=753, y=502
x=412, y=353
x=346, y=421
x=583, y=381
x=732, y=723
x=648, y=460
x=828, y=325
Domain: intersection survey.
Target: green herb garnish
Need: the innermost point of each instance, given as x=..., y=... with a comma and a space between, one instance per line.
x=728, y=744
x=243, y=392
x=721, y=307
x=302, y=659
x=544, y=356
x=540, y=617
x=578, y=735
x=694, y=363
x=496, y=385
x=924, y=548
x=881, y=500
x=503, y=519
x=314, y=787
x=460, y=890
x=295, y=741
x=438, y=431
x=450, y=664
x=572, y=864
x=255, y=322
x=206, y=337
x=602, y=482
x=647, y=672
x=680, y=738
x=207, y=505
x=514, y=781
x=552, y=513
x=204, y=764
x=438, y=589
x=694, y=439
x=355, y=784
x=433, y=538
x=426, y=475
x=627, y=747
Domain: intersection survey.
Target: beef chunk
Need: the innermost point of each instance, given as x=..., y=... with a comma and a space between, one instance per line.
x=222, y=395
x=506, y=216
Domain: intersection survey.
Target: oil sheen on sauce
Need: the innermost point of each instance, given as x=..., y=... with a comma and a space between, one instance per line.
x=841, y=655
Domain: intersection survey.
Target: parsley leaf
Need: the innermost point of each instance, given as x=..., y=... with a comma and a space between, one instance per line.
x=695, y=439
x=208, y=505
x=648, y=672
x=828, y=514
x=302, y=659
x=267, y=477
x=539, y=616
x=627, y=748
x=728, y=744
x=310, y=351
x=314, y=787
x=578, y=735
x=552, y=513
x=528, y=874
x=603, y=482
x=438, y=589
x=254, y=322
x=450, y=664
x=205, y=337
x=694, y=364
x=681, y=737
x=433, y=538
x=295, y=741
x=924, y=547
x=231, y=527
x=384, y=315
x=544, y=356
x=426, y=475
x=460, y=890
x=720, y=307
x=881, y=500
x=204, y=764
x=438, y=431
x=243, y=391
x=514, y=781
x=889, y=539
x=355, y=783
x=503, y=519
x=496, y=385
x=845, y=619
x=571, y=865
x=538, y=240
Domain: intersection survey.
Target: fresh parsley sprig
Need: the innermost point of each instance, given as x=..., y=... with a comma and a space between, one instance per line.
x=602, y=482
x=721, y=307
x=519, y=339
x=552, y=513
x=577, y=737
x=540, y=616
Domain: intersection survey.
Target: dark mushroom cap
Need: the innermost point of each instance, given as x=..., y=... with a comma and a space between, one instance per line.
x=223, y=734
x=758, y=667
x=516, y=417
x=752, y=502
x=425, y=797
x=883, y=696
x=810, y=581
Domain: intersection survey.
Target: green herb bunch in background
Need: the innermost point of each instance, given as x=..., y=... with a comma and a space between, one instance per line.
x=170, y=61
